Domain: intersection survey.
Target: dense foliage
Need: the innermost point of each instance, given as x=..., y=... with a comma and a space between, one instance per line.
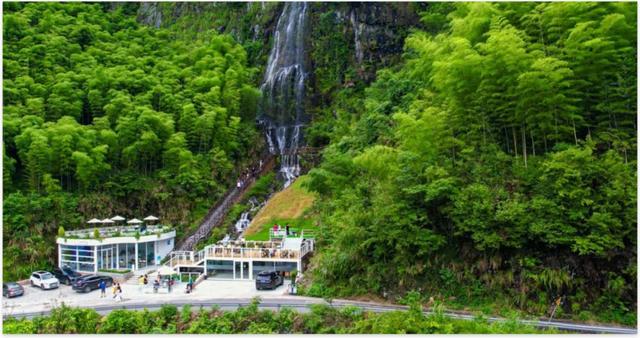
x=249, y=319
x=105, y=116
x=497, y=162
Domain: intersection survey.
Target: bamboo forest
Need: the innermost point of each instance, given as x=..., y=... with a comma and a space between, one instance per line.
x=448, y=157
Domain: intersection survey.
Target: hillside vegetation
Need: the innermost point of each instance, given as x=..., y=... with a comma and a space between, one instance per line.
x=103, y=116
x=494, y=168
x=251, y=320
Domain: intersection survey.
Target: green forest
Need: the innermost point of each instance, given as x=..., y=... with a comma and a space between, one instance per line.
x=494, y=167
x=105, y=116
x=490, y=164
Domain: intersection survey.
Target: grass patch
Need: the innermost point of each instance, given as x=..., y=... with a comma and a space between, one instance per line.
x=296, y=224
x=286, y=206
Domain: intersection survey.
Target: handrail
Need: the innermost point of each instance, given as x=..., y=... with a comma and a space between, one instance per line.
x=248, y=249
x=217, y=212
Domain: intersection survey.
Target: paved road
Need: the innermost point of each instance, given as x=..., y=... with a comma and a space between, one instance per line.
x=303, y=303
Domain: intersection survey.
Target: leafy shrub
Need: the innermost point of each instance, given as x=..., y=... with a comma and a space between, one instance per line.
x=120, y=321
x=18, y=326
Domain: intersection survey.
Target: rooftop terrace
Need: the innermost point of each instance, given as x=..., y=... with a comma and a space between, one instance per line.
x=118, y=231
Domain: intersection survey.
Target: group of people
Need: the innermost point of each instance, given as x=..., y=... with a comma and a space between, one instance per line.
x=116, y=289
x=143, y=281
x=246, y=174
x=277, y=228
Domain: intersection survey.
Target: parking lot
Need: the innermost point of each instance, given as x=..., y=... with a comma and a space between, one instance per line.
x=35, y=299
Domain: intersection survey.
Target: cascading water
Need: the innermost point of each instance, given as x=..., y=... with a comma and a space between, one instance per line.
x=282, y=109
x=243, y=222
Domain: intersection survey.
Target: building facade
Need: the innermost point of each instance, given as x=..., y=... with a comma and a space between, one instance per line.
x=242, y=260
x=116, y=248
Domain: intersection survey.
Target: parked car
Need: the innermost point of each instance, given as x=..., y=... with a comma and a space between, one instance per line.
x=12, y=289
x=91, y=282
x=66, y=275
x=268, y=280
x=44, y=280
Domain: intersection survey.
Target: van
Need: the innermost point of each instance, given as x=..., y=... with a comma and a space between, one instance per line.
x=268, y=280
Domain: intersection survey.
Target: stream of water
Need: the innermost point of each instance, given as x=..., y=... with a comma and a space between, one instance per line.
x=282, y=109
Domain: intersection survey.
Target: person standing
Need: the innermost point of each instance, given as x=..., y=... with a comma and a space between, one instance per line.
x=119, y=293
x=114, y=289
x=103, y=289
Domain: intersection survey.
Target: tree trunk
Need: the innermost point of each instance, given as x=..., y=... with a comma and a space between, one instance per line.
x=515, y=143
x=533, y=144
x=524, y=146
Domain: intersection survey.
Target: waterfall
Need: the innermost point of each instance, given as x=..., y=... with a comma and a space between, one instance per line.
x=243, y=222
x=357, y=31
x=282, y=107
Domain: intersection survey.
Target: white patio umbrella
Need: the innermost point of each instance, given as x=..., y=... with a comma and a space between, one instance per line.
x=106, y=220
x=94, y=221
x=151, y=218
x=134, y=221
x=117, y=218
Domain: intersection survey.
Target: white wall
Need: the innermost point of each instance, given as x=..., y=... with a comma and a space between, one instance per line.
x=163, y=248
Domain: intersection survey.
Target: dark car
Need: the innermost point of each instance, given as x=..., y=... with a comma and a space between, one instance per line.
x=268, y=280
x=66, y=275
x=12, y=290
x=91, y=282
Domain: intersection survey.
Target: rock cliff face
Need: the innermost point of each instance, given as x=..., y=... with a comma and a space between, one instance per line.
x=373, y=33
x=346, y=43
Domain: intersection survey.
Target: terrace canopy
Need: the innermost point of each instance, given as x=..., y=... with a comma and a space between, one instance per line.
x=134, y=221
x=106, y=220
x=117, y=218
x=94, y=221
x=151, y=218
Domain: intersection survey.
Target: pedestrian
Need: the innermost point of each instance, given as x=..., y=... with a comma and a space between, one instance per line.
x=141, y=282
x=145, y=280
x=287, y=229
x=119, y=293
x=190, y=285
x=114, y=289
x=156, y=285
x=103, y=289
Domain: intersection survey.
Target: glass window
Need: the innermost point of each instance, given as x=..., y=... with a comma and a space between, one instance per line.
x=122, y=256
x=131, y=255
x=151, y=253
x=142, y=254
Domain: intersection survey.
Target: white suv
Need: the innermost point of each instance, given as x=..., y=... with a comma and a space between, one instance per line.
x=44, y=280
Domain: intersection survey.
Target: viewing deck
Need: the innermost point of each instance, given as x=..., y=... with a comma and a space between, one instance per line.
x=288, y=250
x=117, y=231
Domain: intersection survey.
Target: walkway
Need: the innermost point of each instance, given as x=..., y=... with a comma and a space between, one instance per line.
x=219, y=211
